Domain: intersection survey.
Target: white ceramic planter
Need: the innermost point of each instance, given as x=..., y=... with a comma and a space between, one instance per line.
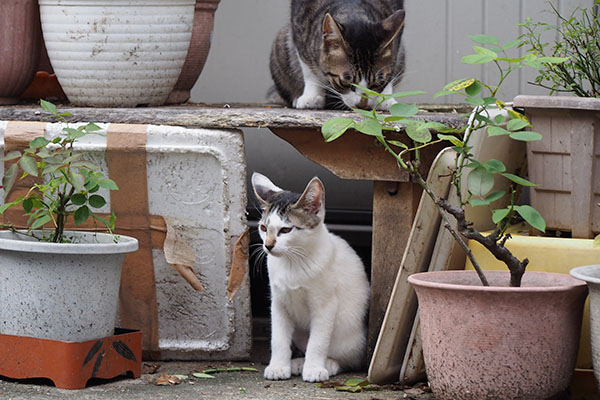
x=591, y=275
x=117, y=53
x=61, y=291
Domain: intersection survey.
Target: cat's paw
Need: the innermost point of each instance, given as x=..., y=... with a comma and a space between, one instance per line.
x=297, y=365
x=333, y=367
x=278, y=372
x=315, y=374
x=310, y=101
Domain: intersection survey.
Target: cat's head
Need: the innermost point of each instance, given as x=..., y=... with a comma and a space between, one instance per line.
x=361, y=52
x=288, y=218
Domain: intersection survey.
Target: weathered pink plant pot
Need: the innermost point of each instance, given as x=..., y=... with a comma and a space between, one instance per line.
x=204, y=16
x=20, y=46
x=499, y=342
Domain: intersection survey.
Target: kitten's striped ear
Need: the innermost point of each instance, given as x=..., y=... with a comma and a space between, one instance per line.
x=332, y=34
x=392, y=27
x=263, y=187
x=312, y=200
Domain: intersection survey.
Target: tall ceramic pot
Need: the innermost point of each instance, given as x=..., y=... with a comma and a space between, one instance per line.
x=117, y=53
x=591, y=275
x=204, y=16
x=21, y=41
x=499, y=342
x=61, y=291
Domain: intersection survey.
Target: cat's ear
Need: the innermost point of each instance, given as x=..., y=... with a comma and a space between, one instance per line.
x=263, y=187
x=332, y=34
x=392, y=26
x=312, y=201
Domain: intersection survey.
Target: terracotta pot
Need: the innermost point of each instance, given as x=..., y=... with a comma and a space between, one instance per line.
x=21, y=38
x=204, y=16
x=499, y=342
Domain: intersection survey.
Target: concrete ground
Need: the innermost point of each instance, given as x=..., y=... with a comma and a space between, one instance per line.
x=224, y=386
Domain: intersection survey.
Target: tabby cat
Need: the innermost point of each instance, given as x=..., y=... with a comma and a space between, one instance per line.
x=331, y=44
x=319, y=288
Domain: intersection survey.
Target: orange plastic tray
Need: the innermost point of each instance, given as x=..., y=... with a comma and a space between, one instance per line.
x=70, y=365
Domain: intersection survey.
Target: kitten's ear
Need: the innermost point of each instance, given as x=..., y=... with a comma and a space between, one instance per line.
x=263, y=187
x=392, y=26
x=312, y=201
x=332, y=34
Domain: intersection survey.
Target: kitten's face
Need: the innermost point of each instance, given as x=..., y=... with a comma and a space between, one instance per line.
x=360, y=53
x=288, y=218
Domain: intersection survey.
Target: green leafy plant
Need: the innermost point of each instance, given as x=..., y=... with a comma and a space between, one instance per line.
x=67, y=184
x=576, y=40
x=473, y=179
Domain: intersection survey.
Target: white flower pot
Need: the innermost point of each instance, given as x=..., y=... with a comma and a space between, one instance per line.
x=61, y=291
x=117, y=53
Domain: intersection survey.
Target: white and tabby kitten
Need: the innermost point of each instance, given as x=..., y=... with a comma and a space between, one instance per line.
x=319, y=288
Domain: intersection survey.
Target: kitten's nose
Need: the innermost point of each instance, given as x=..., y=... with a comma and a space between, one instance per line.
x=364, y=103
x=269, y=246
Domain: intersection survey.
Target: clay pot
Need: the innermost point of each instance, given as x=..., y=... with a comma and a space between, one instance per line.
x=499, y=342
x=204, y=16
x=21, y=38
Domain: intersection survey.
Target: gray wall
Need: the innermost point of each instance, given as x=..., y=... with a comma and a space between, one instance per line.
x=436, y=37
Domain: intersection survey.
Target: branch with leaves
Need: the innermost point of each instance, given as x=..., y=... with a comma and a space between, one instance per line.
x=489, y=115
x=69, y=183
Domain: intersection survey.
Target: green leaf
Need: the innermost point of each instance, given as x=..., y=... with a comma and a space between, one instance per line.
x=499, y=215
x=492, y=197
x=475, y=101
x=474, y=89
x=77, y=180
x=40, y=222
x=364, y=113
x=397, y=144
x=369, y=127
x=459, y=84
x=517, y=179
x=368, y=91
x=404, y=110
x=553, y=60
x=11, y=156
x=479, y=202
x=500, y=119
x=108, y=184
x=27, y=205
x=532, y=217
x=416, y=134
x=496, y=131
x=335, y=127
x=444, y=93
x=452, y=139
x=202, y=375
x=351, y=389
x=476, y=59
x=510, y=45
x=9, y=178
x=494, y=166
x=526, y=136
x=97, y=201
x=517, y=124
x=482, y=51
x=407, y=93
x=356, y=382
x=74, y=133
x=91, y=127
x=48, y=107
x=484, y=39
x=78, y=199
x=38, y=142
x=29, y=165
x=81, y=215
x=480, y=181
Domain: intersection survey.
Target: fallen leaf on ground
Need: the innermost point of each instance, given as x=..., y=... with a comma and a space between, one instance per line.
x=168, y=380
x=150, y=368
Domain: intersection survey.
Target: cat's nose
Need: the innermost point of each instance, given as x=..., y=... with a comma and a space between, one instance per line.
x=364, y=103
x=269, y=246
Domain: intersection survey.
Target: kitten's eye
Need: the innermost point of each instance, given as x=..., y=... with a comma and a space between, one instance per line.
x=347, y=77
x=263, y=228
x=284, y=230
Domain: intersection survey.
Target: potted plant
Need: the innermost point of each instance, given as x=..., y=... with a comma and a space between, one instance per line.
x=54, y=283
x=123, y=53
x=21, y=37
x=485, y=335
x=565, y=162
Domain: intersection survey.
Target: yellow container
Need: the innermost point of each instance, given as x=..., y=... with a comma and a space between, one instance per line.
x=550, y=255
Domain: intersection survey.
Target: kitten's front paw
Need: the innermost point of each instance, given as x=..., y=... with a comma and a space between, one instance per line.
x=315, y=374
x=310, y=101
x=297, y=365
x=278, y=372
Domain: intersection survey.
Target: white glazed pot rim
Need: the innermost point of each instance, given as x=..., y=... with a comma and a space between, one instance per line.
x=92, y=243
x=587, y=273
x=116, y=3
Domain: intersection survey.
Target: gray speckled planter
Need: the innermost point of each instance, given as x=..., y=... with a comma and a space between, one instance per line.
x=591, y=275
x=61, y=291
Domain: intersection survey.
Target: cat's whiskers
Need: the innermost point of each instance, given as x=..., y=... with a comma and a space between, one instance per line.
x=259, y=254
